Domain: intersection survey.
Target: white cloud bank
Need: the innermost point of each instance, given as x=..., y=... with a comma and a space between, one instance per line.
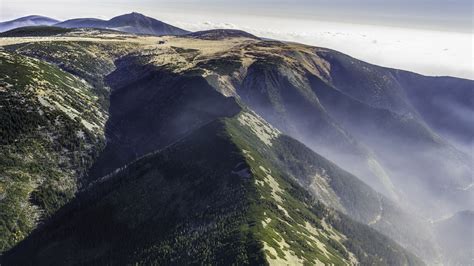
x=428, y=52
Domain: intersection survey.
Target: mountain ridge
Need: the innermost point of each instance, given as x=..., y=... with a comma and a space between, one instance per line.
x=188, y=143
x=218, y=34
x=32, y=20
x=132, y=23
x=156, y=91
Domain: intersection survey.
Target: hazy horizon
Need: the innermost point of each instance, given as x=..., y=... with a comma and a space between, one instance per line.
x=450, y=15
x=430, y=37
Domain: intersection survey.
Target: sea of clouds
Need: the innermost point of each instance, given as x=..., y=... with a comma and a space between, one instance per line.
x=425, y=51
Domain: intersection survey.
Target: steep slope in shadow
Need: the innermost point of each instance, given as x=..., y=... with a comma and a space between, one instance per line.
x=445, y=103
x=204, y=200
x=276, y=92
x=183, y=205
x=152, y=107
x=334, y=187
x=362, y=117
x=345, y=192
x=390, y=134
x=367, y=83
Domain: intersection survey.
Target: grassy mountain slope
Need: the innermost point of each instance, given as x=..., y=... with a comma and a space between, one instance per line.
x=28, y=191
x=338, y=189
x=31, y=31
x=91, y=61
x=182, y=205
x=209, y=198
x=220, y=34
x=162, y=88
x=52, y=127
x=54, y=113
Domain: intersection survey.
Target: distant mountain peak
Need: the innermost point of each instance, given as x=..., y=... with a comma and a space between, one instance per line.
x=31, y=20
x=32, y=17
x=134, y=15
x=132, y=23
x=135, y=18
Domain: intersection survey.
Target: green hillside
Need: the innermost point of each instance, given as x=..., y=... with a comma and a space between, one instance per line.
x=52, y=128
x=32, y=31
x=219, y=147
x=210, y=198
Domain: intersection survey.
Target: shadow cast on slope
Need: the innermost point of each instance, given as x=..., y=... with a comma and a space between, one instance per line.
x=150, y=108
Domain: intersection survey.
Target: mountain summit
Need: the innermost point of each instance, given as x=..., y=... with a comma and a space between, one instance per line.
x=131, y=23
x=33, y=20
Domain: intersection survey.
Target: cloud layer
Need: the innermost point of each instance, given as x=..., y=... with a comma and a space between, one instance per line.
x=428, y=52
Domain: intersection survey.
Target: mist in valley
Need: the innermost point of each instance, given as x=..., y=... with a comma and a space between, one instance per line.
x=406, y=154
